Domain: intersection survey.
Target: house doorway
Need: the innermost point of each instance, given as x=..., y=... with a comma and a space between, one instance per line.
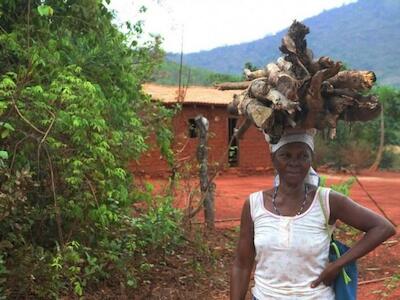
x=233, y=152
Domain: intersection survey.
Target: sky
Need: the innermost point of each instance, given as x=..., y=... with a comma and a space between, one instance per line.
x=207, y=24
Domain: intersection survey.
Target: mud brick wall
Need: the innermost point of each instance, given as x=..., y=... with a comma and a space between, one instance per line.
x=253, y=151
x=254, y=154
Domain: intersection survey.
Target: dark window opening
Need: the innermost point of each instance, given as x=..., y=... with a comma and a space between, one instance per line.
x=233, y=153
x=192, y=133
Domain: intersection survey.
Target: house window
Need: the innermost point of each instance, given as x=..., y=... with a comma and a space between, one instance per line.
x=192, y=133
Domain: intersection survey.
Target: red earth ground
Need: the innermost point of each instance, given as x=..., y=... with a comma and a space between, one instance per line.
x=232, y=190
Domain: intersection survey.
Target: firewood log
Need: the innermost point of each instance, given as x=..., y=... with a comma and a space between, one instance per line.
x=314, y=100
x=294, y=41
x=288, y=86
x=251, y=75
x=337, y=104
x=284, y=65
x=275, y=126
x=280, y=102
x=323, y=62
x=259, y=89
x=272, y=72
x=365, y=110
x=241, y=85
x=354, y=80
x=288, y=45
x=294, y=46
x=255, y=110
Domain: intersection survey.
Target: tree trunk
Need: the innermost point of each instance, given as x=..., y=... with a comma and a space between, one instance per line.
x=378, y=159
x=206, y=188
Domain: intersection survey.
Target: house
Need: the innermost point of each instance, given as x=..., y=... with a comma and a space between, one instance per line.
x=250, y=154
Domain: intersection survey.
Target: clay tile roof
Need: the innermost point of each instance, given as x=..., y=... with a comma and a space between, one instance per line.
x=194, y=94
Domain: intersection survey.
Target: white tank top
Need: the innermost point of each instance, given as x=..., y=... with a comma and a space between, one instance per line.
x=291, y=252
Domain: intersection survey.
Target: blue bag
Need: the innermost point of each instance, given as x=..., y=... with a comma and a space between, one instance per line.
x=345, y=284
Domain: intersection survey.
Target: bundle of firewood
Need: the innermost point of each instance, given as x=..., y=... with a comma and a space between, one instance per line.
x=299, y=91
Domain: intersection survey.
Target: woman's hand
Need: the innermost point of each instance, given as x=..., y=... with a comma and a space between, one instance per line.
x=328, y=275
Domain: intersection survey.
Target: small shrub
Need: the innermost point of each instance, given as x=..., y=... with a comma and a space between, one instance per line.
x=390, y=160
x=358, y=154
x=347, y=152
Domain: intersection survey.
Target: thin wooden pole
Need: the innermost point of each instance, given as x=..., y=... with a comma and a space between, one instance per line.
x=207, y=189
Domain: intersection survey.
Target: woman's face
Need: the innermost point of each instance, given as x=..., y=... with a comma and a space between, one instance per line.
x=292, y=162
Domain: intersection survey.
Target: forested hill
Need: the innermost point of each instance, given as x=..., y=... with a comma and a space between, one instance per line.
x=364, y=35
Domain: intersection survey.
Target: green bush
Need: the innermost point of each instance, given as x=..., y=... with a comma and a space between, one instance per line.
x=390, y=160
x=72, y=115
x=343, y=187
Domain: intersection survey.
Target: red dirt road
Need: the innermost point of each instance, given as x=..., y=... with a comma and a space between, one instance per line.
x=231, y=192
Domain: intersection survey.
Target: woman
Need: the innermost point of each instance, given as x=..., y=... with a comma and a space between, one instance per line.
x=283, y=230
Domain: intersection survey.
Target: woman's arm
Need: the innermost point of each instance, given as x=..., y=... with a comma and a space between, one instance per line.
x=244, y=259
x=377, y=229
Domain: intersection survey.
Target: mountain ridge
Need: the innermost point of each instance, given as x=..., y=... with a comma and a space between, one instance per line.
x=364, y=35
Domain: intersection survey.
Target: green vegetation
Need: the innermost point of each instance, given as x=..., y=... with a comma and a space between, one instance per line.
x=346, y=233
x=168, y=74
x=70, y=97
x=343, y=187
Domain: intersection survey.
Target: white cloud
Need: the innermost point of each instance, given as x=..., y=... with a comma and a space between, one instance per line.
x=206, y=24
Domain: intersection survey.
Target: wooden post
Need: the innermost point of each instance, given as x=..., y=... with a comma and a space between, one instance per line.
x=206, y=188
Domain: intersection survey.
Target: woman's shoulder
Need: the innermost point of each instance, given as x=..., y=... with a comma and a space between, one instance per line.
x=268, y=191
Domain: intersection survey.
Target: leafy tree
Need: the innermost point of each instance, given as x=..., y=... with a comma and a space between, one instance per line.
x=390, y=98
x=72, y=115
